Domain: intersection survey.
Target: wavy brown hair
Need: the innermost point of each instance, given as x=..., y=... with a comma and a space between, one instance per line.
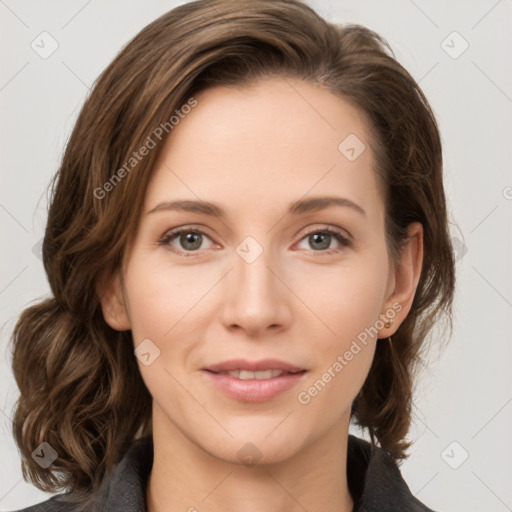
x=80, y=387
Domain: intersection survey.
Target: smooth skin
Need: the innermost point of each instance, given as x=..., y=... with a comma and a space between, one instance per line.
x=253, y=151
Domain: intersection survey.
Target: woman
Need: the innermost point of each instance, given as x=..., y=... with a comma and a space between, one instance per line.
x=247, y=246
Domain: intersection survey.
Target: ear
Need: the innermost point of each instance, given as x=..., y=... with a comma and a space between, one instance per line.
x=404, y=278
x=113, y=303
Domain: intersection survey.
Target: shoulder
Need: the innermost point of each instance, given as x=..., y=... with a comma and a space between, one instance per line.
x=376, y=482
x=123, y=488
x=56, y=503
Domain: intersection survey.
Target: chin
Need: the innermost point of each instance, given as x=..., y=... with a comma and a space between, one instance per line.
x=252, y=453
x=257, y=442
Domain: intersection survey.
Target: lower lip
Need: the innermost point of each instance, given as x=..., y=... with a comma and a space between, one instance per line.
x=254, y=390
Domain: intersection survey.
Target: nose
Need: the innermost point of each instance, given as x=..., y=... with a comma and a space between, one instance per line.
x=257, y=300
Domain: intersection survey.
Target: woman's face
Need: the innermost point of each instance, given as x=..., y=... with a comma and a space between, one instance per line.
x=259, y=273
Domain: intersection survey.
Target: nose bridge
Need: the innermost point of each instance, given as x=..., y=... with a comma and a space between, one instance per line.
x=255, y=298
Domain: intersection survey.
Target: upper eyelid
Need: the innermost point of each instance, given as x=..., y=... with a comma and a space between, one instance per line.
x=187, y=228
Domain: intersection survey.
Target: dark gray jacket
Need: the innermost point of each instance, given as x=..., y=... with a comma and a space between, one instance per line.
x=374, y=481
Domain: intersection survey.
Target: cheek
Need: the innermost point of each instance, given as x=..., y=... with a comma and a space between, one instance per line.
x=341, y=300
x=162, y=297
x=347, y=302
x=343, y=350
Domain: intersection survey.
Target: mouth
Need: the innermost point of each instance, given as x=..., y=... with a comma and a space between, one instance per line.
x=257, y=381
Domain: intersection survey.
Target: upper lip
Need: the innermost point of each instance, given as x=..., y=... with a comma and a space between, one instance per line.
x=254, y=366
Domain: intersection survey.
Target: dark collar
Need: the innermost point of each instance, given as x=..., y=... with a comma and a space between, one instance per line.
x=374, y=481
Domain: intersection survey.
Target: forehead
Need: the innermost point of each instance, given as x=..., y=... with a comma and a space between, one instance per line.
x=271, y=142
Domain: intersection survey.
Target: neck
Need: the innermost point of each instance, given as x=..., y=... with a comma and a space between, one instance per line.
x=185, y=477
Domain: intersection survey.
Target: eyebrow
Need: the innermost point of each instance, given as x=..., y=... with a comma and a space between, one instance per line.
x=296, y=208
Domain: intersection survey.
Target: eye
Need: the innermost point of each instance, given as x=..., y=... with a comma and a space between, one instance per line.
x=185, y=240
x=322, y=239
x=188, y=240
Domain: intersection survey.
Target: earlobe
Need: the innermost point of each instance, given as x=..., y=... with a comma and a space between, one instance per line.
x=113, y=303
x=407, y=274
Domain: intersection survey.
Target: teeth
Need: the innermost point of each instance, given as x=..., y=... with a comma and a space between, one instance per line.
x=246, y=375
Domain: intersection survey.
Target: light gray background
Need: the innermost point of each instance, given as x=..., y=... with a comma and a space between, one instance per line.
x=465, y=393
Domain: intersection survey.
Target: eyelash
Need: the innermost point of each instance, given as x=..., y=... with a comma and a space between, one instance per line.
x=344, y=241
